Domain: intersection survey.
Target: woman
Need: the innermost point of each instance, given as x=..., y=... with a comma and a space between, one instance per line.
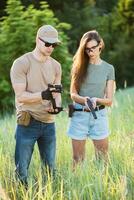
x=92, y=78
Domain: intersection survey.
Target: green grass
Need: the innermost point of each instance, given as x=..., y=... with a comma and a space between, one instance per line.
x=90, y=181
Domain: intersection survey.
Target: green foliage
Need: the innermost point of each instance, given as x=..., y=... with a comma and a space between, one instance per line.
x=17, y=36
x=78, y=14
x=122, y=38
x=104, y=6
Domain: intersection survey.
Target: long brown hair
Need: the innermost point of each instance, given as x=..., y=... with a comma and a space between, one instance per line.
x=81, y=59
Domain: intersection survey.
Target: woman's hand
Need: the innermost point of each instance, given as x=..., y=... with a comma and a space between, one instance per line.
x=93, y=100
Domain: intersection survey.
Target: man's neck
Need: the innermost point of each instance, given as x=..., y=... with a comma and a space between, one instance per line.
x=38, y=56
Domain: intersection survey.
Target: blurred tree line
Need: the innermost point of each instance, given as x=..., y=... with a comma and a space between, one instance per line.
x=21, y=19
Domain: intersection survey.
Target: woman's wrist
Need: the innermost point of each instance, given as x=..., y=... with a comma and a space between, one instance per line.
x=97, y=100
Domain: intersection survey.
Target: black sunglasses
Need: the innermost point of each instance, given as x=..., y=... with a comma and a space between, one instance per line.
x=92, y=48
x=47, y=44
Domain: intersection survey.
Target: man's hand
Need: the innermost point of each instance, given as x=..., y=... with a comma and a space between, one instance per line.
x=55, y=111
x=51, y=92
x=46, y=95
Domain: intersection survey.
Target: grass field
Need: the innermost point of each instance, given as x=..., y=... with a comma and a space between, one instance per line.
x=90, y=181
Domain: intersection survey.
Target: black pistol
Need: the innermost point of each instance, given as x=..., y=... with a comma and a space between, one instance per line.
x=91, y=108
x=58, y=89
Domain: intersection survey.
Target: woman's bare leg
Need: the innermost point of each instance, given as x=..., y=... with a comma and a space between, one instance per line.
x=101, y=149
x=78, y=151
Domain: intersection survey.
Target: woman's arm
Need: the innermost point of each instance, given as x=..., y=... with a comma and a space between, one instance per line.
x=75, y=96
x=108, y=100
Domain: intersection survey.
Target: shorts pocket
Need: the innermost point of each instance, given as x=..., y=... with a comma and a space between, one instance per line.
x=102, y=113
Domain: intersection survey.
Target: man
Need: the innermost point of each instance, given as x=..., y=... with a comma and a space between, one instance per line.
x=30, y=75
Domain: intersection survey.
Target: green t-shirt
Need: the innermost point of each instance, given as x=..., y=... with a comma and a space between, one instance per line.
x=96, y=80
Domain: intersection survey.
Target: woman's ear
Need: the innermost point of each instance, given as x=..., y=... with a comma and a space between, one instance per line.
x=101, y=45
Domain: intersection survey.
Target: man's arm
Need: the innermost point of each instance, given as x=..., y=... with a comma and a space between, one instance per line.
x=23, y=96
x=18, y=74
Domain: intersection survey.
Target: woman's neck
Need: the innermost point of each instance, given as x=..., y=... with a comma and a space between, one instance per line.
x=95, y=61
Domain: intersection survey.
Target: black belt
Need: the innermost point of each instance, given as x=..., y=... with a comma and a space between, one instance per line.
x=86, y=110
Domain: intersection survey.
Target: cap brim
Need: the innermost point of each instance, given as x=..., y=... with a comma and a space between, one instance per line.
x=51, y=40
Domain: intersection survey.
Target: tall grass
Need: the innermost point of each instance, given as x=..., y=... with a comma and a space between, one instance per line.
x=90, y=181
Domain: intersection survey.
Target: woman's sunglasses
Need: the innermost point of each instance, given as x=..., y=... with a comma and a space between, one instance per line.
x=47, y=44
x=91, y=49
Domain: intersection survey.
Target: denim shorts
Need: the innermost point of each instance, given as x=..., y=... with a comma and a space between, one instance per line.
x=82, y=125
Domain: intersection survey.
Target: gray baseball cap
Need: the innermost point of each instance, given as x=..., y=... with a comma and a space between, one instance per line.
x=48, y=33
